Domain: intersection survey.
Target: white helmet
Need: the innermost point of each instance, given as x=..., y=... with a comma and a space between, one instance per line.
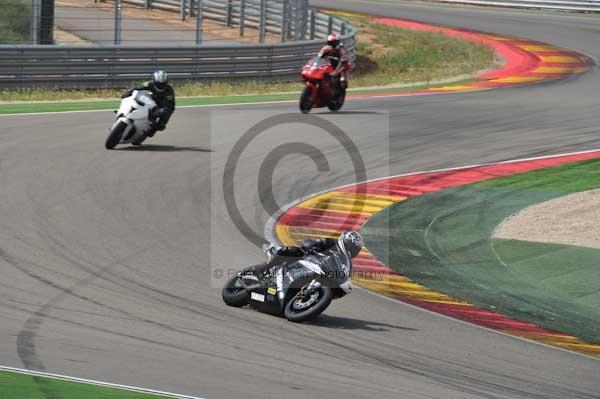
x=351, y=242
x=160, y=79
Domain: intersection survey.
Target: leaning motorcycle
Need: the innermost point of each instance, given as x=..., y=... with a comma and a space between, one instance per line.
x=299, y=291
x=134, y=120
x=319, y=89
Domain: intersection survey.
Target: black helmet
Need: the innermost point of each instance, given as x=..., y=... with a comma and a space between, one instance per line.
x=333, y=40
x=160, y=79
x=351, y=243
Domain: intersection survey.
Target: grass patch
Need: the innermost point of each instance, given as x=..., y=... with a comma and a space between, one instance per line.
x=16, y=385
x=386, y=55
x=576, y=177
x=15, y=21
x=552, y=285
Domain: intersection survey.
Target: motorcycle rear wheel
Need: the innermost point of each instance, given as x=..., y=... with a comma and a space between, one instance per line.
x=306, y=102
x=234, y=294
x=295, y=311
x=140, y=140
x=115, y=135
x=337, y=103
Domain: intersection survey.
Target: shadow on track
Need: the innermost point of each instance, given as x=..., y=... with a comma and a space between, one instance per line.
x=164, y=148
x=345, y=323
x=356, y=113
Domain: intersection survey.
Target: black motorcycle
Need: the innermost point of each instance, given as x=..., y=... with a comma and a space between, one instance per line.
x=300, y=290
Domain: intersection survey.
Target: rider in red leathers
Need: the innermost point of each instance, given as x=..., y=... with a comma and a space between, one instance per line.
x=338, y=56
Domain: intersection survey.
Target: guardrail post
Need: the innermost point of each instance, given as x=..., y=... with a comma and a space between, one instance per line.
x=313, y=24
x=285, y=11
x=269, y=70
x=242, y=17
x=199, y=21
x=182, y=11
x=147, y=4
x=118, y=21
x=229, y=17
x=297, y=20
x=35, y=21
x=46, y=26
x=289, y=25
x=330, y=26
x=263, y=21
x=304, y=17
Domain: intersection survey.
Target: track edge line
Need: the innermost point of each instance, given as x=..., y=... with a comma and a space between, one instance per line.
x=97, y=383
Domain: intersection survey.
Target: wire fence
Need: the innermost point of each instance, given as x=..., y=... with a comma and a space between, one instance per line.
x=169, y=21
x=284, y=49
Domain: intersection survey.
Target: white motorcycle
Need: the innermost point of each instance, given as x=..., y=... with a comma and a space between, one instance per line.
x=134, y=120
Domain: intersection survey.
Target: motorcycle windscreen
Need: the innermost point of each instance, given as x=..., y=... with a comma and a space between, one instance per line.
x=145, y=98
x=317, y=62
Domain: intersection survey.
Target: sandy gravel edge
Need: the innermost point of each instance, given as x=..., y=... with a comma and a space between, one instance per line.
x=571, y=220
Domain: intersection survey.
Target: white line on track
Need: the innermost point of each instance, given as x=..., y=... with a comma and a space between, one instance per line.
x=97, y=383
x=361, y=97
x=270, y=236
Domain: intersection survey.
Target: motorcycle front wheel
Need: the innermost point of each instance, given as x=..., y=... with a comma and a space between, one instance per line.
x=303, y=308
x=234, y=294
x=306, y=102
x=115, y=135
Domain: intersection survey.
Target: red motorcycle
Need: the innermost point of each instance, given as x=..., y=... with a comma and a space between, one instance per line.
x=320, y=89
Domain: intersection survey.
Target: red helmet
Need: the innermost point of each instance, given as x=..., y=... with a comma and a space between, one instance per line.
x=333, y=40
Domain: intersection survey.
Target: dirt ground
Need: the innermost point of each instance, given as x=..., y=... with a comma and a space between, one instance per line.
x=573, y=220
x=68, y=38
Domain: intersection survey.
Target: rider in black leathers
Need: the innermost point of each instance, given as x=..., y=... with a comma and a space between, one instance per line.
x=349, y=244
x=164, y=96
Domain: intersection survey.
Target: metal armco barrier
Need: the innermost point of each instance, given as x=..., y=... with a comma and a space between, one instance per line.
x=557, y=5
x=119, y=65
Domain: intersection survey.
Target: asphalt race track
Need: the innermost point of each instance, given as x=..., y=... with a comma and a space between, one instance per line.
x=106, y=257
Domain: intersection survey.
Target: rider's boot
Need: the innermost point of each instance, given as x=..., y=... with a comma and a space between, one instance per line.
x=343, y=82
x=258, y=269
x=152, y=131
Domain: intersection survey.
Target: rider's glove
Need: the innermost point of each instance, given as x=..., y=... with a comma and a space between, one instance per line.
x=271, y=251
x=308, y=244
